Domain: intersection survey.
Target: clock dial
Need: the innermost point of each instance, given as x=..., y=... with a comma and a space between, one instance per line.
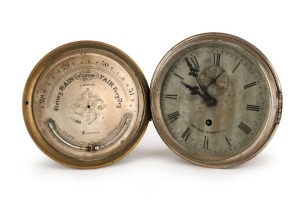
x=86, y=104
x=214, y=101
x=238, y=113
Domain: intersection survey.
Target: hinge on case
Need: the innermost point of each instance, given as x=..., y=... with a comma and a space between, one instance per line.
x=279, y=108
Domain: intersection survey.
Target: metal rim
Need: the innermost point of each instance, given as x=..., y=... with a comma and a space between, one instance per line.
x=143, y=95
x=270, y=74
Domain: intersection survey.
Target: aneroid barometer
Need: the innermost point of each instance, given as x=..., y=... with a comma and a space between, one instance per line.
x=85, y=104
x=215, y=100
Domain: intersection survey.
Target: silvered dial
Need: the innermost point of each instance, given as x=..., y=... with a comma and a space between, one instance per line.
x=214, y=100
x=88, y=105
x=86, y=102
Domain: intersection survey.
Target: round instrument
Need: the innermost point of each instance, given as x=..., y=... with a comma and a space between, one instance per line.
x=215, y=99
x=85, y=104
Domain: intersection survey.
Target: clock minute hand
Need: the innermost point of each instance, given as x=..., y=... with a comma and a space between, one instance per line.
x=194, y=72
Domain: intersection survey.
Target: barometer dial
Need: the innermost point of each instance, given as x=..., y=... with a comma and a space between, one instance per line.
x=85, y=104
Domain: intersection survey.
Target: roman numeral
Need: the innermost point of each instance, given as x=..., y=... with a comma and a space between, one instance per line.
x=253, y=108
x=227, y=140
x=173, y=116
x=238, y=64
x=195, y=62
x=186, y=134
x=205, y=144
x=172, y=96
x=178, y=76
x=217, y=57
x=244, y=128
x=249, y=85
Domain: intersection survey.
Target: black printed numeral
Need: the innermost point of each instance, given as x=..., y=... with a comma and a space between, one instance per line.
x=178, y=76
x=249, y=85
x=217, y=57
x=246, y=129
x=238, y=64
x=185, y=135
x=228, y=142
x=205, y=143
x=173, y=116
x=172, y=96
x=253, y=108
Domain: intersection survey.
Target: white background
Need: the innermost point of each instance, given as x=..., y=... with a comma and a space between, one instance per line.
x=145, y=30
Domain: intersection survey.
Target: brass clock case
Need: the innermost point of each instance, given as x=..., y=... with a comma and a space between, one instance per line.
x=86, y=104
x=216, y=100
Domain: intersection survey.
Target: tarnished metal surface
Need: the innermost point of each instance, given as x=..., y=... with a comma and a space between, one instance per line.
x=214, y=100
x=86, y=104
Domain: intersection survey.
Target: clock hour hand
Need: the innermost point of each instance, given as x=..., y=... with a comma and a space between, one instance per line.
x=193, y=89
x=210, y=101
x=193, y=70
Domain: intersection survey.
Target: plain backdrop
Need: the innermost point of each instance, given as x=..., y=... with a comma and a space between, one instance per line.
x=145, y=30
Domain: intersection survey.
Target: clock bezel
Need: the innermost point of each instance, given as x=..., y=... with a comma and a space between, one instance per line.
x=275, y=101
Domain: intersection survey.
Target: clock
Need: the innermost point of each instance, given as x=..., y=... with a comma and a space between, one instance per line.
x=86, y=104
x=216, y=100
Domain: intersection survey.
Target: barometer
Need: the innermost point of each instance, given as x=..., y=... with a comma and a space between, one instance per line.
x=85, y=104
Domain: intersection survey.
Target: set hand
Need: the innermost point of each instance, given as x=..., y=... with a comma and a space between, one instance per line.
x=214, y=80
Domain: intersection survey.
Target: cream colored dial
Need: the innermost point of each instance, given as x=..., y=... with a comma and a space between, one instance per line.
x=88, y=105
x=85, y=104
x=214, y=72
